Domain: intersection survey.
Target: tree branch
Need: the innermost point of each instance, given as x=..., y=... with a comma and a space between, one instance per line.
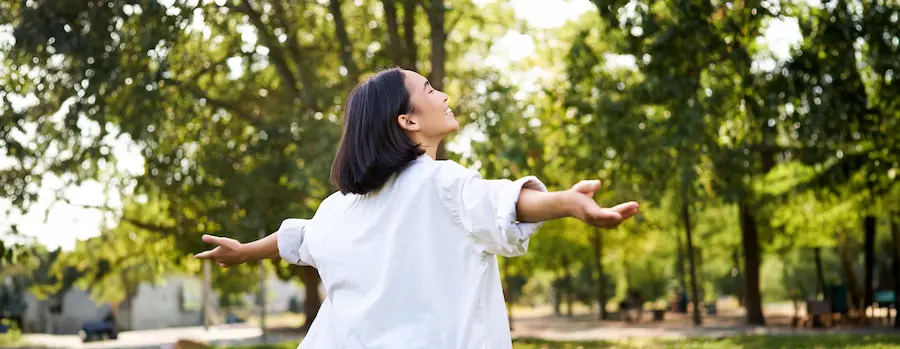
x=135, y=222
x=276, y=54
x=147, y=226
x=436, y=14
x=205, y=70
x=410, y=46
x=306, y=74
x=229, y=106
x=396, y=46
x=340, y=30
x=454, y=22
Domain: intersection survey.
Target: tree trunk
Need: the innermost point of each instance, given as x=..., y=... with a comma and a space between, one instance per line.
x=340, y=29
x=869, y=258
x=749, y=228
x=558, y=294
x=395, y=45
x=679, y=264
x=698, y=265
x=312, y=302
x=567, y=285
x=125, y=319
x=847, y=264
x=750, y=241
x=601, y=278
x=207, y=291
x=436, y=12
x=820, y=275
x=786, y=281
x=739, y=275
x=686, y=221
x=410, y=47
x=263, y=278
x=895, y=236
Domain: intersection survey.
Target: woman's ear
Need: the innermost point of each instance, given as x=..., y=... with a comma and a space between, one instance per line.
x=407, y=123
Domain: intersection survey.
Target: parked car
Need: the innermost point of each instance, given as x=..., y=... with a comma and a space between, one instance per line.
x=99, y=330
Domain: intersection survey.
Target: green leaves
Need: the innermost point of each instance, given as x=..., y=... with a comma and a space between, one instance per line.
x=7, y=253
x=235, y=111
x=698, y=117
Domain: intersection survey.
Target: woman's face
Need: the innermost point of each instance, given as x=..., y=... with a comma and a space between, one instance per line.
x=431, y=118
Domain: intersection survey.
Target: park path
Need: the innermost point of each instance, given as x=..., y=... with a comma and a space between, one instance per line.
x=530, y=323
x=162, y=338
x=586, y=329
x=583, y=326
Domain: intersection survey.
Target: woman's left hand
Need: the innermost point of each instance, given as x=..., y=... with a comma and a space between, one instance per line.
x=586, y=209
x=229, y=252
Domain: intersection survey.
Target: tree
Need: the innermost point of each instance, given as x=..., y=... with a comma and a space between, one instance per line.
x=113, y=265
x=234, y=105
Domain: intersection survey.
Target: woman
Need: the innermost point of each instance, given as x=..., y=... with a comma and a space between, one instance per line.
x=407, y=248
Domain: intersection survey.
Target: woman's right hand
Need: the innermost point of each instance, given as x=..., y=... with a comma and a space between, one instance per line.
x=583, y=206
x=228, y=252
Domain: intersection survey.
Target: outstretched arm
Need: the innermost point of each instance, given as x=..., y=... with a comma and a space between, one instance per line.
x=578, y=202
x=500, y=215
x=229, y=252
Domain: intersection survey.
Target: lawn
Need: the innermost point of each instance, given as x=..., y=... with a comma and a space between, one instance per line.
x=10, y=341
x=741, y=342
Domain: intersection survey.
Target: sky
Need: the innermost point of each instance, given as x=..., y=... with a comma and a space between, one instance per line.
x=63, y=224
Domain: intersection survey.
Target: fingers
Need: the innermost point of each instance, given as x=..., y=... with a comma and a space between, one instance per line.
x=626, y=207
x=228, y=243
x=604, y=217
x=213, y=255
x=209, y=254
x=212, y=239
x=604, y=214
x=206, y=254
x=587, y=187
x=612, y=217
x=220, y=252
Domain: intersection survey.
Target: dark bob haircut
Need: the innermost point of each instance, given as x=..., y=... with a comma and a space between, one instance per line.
x=373, y=146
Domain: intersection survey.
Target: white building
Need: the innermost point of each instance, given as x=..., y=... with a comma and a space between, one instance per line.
x=174, y=303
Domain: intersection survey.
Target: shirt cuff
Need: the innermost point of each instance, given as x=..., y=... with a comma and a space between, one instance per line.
x=517, y=233
x=290, y=240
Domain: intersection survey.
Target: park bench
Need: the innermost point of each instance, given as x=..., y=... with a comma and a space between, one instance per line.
x=818, y=313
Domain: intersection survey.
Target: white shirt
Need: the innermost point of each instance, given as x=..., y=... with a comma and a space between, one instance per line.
x=414, y=264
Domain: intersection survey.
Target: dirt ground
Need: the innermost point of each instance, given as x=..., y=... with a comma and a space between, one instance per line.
x=730, y=320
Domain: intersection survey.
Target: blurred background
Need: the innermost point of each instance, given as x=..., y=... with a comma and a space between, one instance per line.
x=762, y=139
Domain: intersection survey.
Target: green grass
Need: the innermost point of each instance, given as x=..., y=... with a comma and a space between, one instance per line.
x=12, y=338
x=10, y=341
x=740, y=342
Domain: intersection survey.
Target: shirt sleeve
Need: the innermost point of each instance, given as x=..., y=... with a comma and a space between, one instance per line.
x=486, y=209
x=291, y=245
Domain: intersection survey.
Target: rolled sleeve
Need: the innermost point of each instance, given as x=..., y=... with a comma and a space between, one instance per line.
x=486, y=209
x=506, y=213
x=291, y=247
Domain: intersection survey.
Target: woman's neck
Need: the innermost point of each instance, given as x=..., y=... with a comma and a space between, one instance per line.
x=431, y=150
x=430, y=146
